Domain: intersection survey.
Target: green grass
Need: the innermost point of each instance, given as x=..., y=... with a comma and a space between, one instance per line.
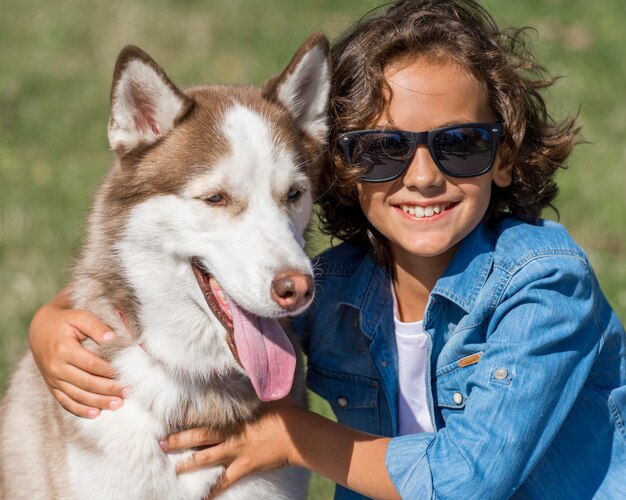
x=55, y=67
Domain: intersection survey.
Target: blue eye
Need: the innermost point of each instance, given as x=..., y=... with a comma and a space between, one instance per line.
x=215, y=199
x=293, y=194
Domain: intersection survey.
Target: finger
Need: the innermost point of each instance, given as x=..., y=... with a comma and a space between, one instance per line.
x=233, y=473
x=89, y=399
x=90, y=326
x=94, y=384
x=191, y=438
x=88, y=361
x=209, y=456
x=73, y=407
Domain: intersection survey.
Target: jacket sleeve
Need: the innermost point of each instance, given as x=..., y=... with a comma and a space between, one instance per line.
x=542, y=340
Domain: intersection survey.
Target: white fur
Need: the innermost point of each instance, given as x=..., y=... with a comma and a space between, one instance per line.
x=133, y=433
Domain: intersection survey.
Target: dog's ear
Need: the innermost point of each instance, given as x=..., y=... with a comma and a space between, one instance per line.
x=304, y=86
x=145, y=104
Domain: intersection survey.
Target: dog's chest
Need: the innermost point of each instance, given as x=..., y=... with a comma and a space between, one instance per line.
x=177, y=399
x=121, y=447
x=118, y=456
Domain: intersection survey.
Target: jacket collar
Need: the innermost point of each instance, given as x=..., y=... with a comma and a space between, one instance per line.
x=468, y=270
x=369, y=288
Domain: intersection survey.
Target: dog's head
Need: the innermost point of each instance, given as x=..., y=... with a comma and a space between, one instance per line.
x=213, y=191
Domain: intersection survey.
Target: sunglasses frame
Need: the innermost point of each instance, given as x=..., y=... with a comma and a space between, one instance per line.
x=427, y=137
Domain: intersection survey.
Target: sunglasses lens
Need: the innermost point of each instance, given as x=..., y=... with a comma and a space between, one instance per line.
x=464, y=151
x=460, y=151
x=381, y=154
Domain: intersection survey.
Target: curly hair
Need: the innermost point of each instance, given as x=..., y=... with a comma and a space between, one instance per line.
x=534, y=147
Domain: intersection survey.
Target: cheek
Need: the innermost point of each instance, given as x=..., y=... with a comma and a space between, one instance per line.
x=479, y=191
x=369, y=199
x=371, y=195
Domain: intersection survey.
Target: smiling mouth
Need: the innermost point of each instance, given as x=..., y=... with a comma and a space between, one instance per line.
x=425, y=212
x=216, y=300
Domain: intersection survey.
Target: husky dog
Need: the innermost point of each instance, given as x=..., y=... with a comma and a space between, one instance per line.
x=194, y=249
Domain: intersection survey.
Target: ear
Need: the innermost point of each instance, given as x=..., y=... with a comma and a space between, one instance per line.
x=502, y=175
x=145, y=104
x=303, y=87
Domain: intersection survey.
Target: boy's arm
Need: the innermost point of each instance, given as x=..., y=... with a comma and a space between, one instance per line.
x=76, y=377
x=287, y=434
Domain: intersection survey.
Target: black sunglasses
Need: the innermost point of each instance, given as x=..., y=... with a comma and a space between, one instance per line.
x=464, y=150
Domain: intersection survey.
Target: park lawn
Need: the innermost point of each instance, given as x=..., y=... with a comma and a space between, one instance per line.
x=55, y=68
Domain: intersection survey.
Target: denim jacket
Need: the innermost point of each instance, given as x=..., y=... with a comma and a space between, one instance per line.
x=527, y=391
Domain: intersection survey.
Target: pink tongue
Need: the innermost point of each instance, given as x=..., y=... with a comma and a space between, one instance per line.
x=265, y=353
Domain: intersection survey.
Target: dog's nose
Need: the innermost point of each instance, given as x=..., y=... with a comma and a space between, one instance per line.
x=292, y=291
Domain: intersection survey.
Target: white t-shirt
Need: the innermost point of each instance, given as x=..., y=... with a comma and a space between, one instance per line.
x=412, y=343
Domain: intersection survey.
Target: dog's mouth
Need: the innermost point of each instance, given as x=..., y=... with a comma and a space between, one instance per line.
x=216, y=300
x=258, y=344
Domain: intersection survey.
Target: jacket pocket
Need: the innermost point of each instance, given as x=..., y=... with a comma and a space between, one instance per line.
x=354, y=399
x=352, y=340
x=451, y=384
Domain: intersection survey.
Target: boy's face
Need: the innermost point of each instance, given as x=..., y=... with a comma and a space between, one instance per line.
x=425, y=96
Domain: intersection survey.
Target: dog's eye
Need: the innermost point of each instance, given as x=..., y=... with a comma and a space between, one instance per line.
x=293, y=194
x=215, y=199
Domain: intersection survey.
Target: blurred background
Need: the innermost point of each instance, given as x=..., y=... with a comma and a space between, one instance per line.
x=56, y=61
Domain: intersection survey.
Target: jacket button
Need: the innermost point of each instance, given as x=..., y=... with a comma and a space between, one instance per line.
x=342, y=401
x=458, y=398
x=500, y=374
x=383, y=363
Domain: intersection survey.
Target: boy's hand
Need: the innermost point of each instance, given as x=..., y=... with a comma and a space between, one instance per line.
x=260, y=445
x=79, y=379
x=287, y=434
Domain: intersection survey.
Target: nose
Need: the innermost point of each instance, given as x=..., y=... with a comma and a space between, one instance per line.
x=292, y=290
x=422, y=172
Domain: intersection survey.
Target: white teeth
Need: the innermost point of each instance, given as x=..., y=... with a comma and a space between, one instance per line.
x=421, y=212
